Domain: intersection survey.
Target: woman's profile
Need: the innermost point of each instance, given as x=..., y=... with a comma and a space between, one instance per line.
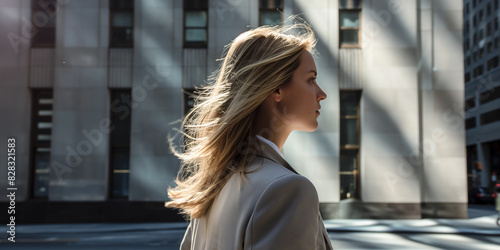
x=235, y=185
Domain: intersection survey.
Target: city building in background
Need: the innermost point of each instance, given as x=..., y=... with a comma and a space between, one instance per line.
x=481, y=45
x=92, y=92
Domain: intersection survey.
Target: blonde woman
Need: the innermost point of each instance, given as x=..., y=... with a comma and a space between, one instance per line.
x=235, y=185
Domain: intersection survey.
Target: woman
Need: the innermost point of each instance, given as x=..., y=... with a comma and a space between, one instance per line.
x=236, y=187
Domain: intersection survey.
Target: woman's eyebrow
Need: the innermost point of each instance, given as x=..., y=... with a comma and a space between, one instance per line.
x=314, y=71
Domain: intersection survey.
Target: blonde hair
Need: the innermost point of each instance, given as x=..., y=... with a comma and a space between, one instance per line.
x=218, y=130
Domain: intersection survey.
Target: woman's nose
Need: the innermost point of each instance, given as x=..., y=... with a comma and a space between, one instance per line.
x=321, y=94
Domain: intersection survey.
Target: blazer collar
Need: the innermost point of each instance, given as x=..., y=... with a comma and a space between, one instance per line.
x=270, y=153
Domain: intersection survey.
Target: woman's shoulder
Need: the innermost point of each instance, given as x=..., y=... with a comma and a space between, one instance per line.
x=272, y=176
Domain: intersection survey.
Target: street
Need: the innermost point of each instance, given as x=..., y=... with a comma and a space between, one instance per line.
x=477, y=232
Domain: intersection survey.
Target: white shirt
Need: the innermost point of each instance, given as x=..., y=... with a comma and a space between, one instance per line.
x=270, y=143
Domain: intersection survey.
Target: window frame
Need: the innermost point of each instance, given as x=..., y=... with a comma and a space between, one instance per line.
x=114, y=10
x=352, y=147
x=359, y=28
x=264, y=9
x=114, y=92
x=194, y=7
x=35, y=8
x=36, y=94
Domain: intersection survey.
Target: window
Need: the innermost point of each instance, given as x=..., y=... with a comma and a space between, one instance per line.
x=474, y=4
x=497, y=42
x=44, y=21
x=466, y=27
x=41, y=132
x=349, y=144
x=488, y=29
x=467, y=77
x=492, y=63
x=490, y=117
x=122, y=23
x=481, y=53
x=119, y=159
x=350, y=25
x=468, y=60
x=270, y=12
x=475, y=56
x=495, y=3
x=471, y=163
x=195, y=23
x=489, y=95
x=470, y=123
x=480, y=16
x=469, y=104
x=480, y=35
x=489, y=47
x=488, y=9
x=495, y=23
x=474, y=39
x=467, y=8
x=479, y=70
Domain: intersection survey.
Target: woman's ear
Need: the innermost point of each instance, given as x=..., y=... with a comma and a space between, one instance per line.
x=276, y=95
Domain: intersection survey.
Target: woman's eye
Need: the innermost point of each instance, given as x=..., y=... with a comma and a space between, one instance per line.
x=312, y=80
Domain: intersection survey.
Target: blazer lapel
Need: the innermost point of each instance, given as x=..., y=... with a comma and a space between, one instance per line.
x=270, y=153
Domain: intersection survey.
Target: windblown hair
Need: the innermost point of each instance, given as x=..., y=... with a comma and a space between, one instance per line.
x=219, y=129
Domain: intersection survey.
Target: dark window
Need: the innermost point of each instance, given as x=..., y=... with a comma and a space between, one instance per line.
x=466, y=27
x=467, y=77
x=41, y=132
x=119, y=159
x=480, y=16
x=488, y=29
x=470, y=123
x=468, y=60
x=467, y=8
x=495, y=23
x=471, y=163
x=121, y=13
x=497, y=43
x=195, y=23
x=474, y=39
x=349, y=144
x=43, y=19
x=480, y=35
x=270, y=12
x=489, y=47
x=490, y=117
x=469, y=104
x=488, y=9
x=495, y=3
x=350, y=23
x=479, y=70
x=481, y=53
x=492, y=63
x=489, y=95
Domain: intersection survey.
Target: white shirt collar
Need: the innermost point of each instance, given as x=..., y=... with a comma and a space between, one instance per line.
x=270, y=143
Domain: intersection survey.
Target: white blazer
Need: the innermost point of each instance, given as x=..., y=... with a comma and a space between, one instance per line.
x=273, y=208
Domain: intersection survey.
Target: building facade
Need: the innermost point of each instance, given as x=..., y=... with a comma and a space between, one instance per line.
x=92, y=90
x=482, y=91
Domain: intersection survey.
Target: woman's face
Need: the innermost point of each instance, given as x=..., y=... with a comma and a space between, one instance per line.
x=301, y=96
